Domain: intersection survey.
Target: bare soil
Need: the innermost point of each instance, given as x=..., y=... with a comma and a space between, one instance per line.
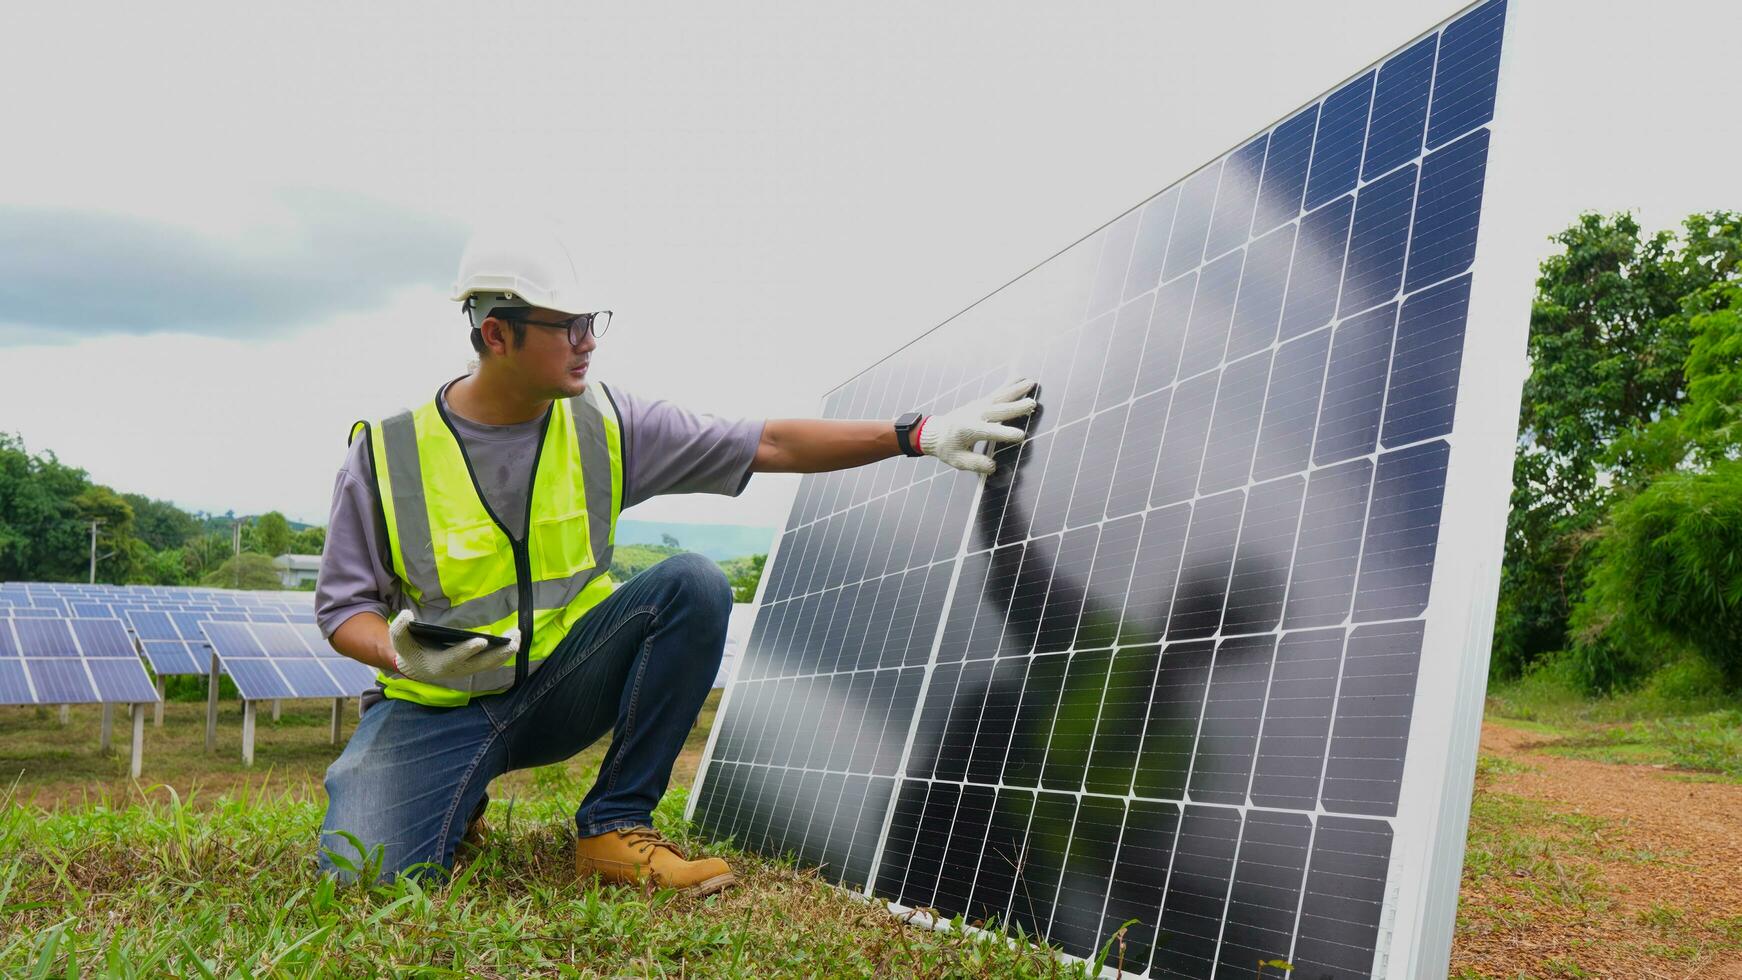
x=1603, y=870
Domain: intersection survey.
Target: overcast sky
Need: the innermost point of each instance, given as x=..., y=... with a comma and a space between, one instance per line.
x=227, y=231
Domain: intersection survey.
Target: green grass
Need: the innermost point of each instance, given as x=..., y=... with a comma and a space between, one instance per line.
x=167, y=886
x=1681, y=718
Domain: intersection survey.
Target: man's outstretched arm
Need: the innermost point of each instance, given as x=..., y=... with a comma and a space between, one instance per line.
x=821, y=445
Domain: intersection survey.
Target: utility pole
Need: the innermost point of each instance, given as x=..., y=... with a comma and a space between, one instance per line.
x=94, y=522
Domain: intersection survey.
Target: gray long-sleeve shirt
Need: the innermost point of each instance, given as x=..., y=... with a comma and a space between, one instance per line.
x=666, y=449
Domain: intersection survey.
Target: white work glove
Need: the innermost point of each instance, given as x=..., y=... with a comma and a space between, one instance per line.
x=951, y=436
x=422, y=662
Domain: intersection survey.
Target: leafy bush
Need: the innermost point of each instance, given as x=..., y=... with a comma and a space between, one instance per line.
x=1667, y=577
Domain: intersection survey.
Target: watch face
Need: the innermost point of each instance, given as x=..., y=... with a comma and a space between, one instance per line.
x=907, y=421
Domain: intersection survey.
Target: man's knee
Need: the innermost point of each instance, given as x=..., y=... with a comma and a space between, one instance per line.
x=701, y=583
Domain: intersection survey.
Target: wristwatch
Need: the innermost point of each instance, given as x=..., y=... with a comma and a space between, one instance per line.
x=905, y=428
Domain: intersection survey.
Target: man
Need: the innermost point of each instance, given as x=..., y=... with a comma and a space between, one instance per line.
x=492, y=509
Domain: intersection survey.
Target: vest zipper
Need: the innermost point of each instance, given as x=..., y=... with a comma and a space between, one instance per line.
x=520, y=546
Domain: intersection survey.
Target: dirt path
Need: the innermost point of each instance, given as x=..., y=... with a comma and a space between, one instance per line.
x=1580, y=868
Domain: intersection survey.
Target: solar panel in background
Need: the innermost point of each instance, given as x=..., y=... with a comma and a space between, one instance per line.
x=164, y=646
x=275, y=660
x=59, y=661
x=1175, y=676
x=352, y=677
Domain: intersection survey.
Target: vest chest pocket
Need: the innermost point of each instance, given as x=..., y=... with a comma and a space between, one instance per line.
x=561, y=545
x=478, y=560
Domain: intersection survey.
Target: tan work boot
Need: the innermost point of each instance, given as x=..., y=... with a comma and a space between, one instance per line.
x=476, y=834
x=642, y=854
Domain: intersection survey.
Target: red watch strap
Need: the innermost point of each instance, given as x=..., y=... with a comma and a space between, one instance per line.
x=919, y=430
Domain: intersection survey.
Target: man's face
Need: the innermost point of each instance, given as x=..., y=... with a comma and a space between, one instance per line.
x=547, y=364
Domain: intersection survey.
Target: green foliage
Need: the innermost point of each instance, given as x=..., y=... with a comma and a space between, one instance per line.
x=41, y=535
x=630, y=560
x=308, y=541
x=244, y=571
x=1616, y=331
x=669, y=541
x=1667, y=577
x=271, y=534
x=744, y=574
x=161, y=524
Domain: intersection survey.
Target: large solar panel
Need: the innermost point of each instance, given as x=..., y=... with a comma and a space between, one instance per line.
x=60, y=661
x=1165, y=663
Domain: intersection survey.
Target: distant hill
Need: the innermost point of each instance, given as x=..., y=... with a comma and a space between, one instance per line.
x=717, y=541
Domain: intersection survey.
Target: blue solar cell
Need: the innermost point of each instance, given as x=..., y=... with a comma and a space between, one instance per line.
x=1448, y=211
x=353, y=677
x=121, y=680
x=1337, y=145
x=152, y=625
x=103, y=638
x=1403, y=532
x=1259, y=307
x=1212, y=310
x=8, y=644
x=1150, y=249
x=257, y=679
x=1355, y=386
x=280, y=640
x=1318, y=268
x=1116, y=245
x=14, y=687
x=173, y=657
x=45, y=638
x=1399, y=108
x=1377, y=242
x=58, y=606
x=1236, y=198
x=188, y=625
x=1285, y=170
x=60, y=681
x=37, y=612
x=1424, y=368
x=1468, y=73
x=315, y=641
x=265, y=616
x=1197, y=198
x=233, y=640
x=92, y=610
x=308, y=680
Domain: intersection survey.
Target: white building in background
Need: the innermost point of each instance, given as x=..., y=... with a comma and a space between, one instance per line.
x=296, y=571
x=737, y=638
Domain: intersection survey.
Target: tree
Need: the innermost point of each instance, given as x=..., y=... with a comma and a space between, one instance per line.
x=160, y=523
x=669, y=541
x=1610, y=338
x=119, y=554
x=744, y=574
x=247, y=570
x=271, y=534
x=308, y=541
x=41, y=537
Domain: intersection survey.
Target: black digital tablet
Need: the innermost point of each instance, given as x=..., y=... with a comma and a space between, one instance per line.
x=447, y=635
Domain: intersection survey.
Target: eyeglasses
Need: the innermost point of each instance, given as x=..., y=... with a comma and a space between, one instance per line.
x=578, y=326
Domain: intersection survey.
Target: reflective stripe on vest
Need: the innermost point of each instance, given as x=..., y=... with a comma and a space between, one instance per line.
x=455, y=562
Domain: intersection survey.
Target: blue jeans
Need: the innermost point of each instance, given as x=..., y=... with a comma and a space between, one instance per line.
x=638, y=665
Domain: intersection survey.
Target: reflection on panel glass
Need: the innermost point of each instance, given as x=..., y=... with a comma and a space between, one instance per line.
x=1157, y=672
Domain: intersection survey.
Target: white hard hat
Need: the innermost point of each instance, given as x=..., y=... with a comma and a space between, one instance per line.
x=524, y=265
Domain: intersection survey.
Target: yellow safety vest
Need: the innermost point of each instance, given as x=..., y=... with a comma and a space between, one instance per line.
x=455, y=561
